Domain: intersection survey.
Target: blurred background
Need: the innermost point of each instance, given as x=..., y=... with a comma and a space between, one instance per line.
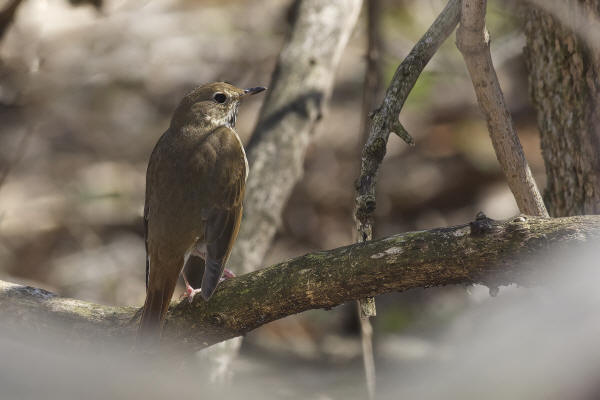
x=87, y=88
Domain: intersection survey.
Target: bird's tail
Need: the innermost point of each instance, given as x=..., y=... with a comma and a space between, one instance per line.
x=158, y=297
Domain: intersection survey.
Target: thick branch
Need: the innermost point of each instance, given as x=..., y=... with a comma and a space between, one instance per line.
x=485, y=251
x=472, y=39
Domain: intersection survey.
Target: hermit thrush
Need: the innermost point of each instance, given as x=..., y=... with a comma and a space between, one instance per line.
x=194, y=192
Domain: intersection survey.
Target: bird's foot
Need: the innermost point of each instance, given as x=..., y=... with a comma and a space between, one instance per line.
x=227, y=274
x=189, y=293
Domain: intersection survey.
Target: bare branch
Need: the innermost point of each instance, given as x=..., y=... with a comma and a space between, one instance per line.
x=366, y=340
x=484, y=251
x=366, y=307
x=385, y=119
x=373, y=74
x=472, y=39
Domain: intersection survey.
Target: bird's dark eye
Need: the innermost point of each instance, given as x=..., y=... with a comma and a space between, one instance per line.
x=220, y=97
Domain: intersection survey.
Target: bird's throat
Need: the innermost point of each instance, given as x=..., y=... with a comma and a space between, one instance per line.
x=233, y=116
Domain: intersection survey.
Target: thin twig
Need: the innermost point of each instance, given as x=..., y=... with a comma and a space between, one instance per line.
x=366, y=340
x=370, y=88
x=472, y=39
x=373, y=73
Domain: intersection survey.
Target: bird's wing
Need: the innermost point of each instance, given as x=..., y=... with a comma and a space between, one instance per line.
x=225, y=214
x=150, y=174
x=146, y=242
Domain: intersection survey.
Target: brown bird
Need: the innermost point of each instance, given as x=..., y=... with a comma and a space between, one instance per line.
x=194, y=192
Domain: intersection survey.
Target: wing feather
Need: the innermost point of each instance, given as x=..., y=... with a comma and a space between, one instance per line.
x=224, y=217
x=150, y=173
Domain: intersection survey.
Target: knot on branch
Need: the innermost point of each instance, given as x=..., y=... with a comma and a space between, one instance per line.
x=518, y=225
x=483, y=225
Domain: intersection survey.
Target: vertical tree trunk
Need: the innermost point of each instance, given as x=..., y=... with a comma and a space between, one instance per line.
x=565, y=89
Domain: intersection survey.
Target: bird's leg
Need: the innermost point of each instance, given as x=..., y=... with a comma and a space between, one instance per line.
x=190, y=292
x=198, y=250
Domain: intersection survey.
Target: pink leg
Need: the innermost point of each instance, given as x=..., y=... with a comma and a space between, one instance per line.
x=190, y=292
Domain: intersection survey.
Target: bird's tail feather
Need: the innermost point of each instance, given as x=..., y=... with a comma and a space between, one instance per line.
x=155, y=309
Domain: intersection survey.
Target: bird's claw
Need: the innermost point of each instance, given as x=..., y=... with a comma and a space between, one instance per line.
x=227, y=274
x=189, y=293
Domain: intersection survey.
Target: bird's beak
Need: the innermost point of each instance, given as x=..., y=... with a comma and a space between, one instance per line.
x=254, y=90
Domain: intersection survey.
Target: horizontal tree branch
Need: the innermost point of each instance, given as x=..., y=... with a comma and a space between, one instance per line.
x=485, y=251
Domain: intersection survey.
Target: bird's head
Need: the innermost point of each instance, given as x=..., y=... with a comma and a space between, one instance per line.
x=212, y=105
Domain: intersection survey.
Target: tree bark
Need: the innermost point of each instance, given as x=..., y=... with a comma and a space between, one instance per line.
x=485, y=251
x=564, y=85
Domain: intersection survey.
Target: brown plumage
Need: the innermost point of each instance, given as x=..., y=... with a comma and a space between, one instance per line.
x=194, y=192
